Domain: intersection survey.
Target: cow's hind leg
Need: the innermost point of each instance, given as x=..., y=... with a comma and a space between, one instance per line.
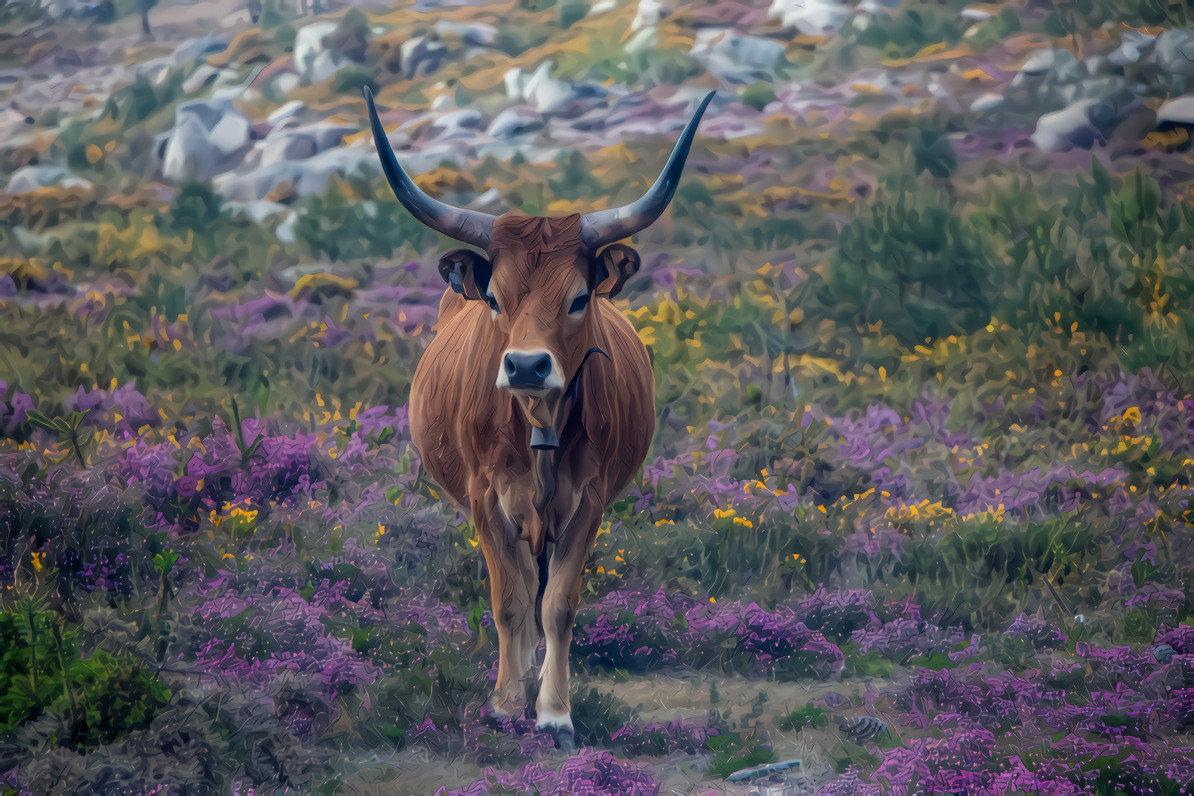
x=554, y=708
x=513, y=585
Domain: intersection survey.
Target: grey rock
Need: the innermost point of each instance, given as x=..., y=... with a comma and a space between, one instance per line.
x=1132, y=46
x=862, y=727
x=650, y=12
x=285, y=231
x=1179, y=110
x=472, y=34
x=758, y=52
x=1173, y=52
x=422, y=55
x=987, y=102
x=1068, y=69
x=287, y=144
x=1163, y=653
x=1103, y=65
x=31, y=178
x=514, y=122
x=287, y=111
x=257, y=210
x=544, y=93
x=1039, y=62
x=308, y=176
x=738, y=58
x=747, y=774
x=1067, y=128
x=458, y=124
x=209, y=137
x=810, y=17
x=201, y=76
x=313, y=58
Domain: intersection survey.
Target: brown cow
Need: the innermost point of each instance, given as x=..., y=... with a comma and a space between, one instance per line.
x=533, y=406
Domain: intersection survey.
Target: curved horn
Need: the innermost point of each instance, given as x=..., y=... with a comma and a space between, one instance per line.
x=606, y=226
x=467, y=226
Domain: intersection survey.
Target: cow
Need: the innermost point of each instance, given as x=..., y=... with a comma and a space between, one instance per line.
x=533, y=406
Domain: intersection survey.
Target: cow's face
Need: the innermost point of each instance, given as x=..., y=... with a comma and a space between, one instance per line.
x=540, y=283
x=541, y=276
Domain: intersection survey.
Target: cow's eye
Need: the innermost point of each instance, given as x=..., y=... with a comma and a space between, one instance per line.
x=579, y=303
x=492, y=302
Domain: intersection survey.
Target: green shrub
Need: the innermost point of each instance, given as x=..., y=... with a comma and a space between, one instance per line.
x=905, y=32
x=806, y=716
x=735, y=751
x=102, y=697
x=911, y=265
x=981, y=568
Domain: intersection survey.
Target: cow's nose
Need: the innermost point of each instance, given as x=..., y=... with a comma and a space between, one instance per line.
x=527, y=371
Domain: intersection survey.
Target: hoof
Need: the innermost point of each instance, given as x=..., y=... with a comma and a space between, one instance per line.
x=564, y=737
x=559, y=727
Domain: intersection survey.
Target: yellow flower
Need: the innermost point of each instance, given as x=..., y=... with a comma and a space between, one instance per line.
x=37, y=560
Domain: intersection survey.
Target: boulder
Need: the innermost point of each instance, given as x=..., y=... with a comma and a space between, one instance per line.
x=738, y=58
x=545, y=93
x=514, y=122
x=31, y=178
x=257, y=211
x=1132, y=47
x=1173, y=54
x=463, y=123
x=986, y=102
x=313, y=58
x=1068, y=128
x=422, y=55
x=301, y=178
x=810, y=17
x=199, y=78
x=471, y=34
x=209, y=137
x=288, y=143
x=650, y=12
x=1178, y=111
x=1041, y=62
x=287, y=111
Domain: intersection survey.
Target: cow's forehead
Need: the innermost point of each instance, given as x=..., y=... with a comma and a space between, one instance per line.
x=536, y=248
x=537, y=235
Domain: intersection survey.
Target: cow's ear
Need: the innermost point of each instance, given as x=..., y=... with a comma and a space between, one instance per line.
x=466, y=272
x=613, y=267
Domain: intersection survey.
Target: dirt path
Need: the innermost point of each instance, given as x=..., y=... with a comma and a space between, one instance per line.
x=659, y=698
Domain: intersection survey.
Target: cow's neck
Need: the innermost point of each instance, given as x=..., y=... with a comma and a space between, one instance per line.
x=554, y=414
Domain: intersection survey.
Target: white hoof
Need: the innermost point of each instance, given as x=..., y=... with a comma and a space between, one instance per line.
x=547, y=721
x=559, y=727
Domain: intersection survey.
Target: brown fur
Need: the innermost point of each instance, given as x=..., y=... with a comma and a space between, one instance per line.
x=474, y=437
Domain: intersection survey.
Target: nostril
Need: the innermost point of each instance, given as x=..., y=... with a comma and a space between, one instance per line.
x=509, y=364
x=543, y=367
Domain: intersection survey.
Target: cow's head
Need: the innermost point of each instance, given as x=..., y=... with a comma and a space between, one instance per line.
x=539, y=276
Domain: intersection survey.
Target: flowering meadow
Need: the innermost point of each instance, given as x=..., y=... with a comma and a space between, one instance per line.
x=918, y=512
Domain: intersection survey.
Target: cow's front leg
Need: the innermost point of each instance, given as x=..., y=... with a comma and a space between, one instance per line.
x=560, y=600
x=513, y=584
